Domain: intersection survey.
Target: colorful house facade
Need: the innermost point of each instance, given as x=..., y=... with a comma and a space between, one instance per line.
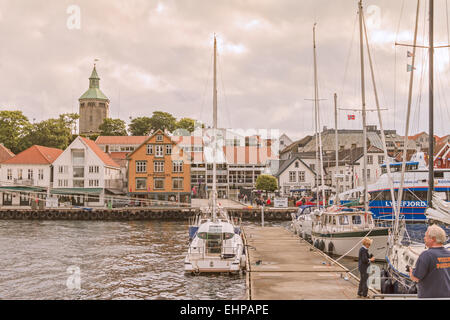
x=158, y=170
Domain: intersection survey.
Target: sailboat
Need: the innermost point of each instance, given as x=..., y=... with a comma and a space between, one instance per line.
x=401, y=256
x=216, y=243
x=340, y=230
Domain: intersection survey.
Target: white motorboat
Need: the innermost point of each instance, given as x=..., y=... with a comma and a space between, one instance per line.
x=302, y=221
x=216, y=243
x=339, y=231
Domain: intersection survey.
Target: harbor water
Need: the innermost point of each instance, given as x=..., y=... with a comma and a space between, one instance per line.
x=110, y=260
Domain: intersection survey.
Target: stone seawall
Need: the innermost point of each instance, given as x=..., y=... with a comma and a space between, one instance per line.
x=128, y=214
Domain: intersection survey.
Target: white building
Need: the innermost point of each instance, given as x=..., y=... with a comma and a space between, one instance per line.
x=84, y=174
x=27, y=175
x=295, y=174
x=350, y=168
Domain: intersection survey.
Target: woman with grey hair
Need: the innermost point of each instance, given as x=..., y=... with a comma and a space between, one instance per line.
x=432, y=271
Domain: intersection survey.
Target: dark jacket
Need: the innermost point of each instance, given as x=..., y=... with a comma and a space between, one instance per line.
x=363, y=259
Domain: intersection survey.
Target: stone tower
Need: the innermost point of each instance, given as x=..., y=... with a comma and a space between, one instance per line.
x=94, y=106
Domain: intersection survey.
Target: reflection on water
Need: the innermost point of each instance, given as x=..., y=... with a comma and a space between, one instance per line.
x=117, y=260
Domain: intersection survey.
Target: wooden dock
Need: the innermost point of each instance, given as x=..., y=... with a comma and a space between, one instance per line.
x=282, y=266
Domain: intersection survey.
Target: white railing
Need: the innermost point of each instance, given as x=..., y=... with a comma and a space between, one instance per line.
x=209, y=251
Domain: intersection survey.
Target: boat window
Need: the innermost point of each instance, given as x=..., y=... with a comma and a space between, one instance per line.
x=209, y=236
x=343, y=220
x=334, y=220
x=356, y=219
x=227, y=235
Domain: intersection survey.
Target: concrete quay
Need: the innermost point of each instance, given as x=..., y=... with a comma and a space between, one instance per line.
x=282, y=266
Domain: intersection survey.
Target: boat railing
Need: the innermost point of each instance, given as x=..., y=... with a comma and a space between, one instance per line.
x=214, y=251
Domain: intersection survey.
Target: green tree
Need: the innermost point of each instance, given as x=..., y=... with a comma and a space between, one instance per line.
x=163, y=120
x=187, y=124
x=140, y=126
x=267, y=183
x=14, y=126
x=113, y=127
x=54, y=133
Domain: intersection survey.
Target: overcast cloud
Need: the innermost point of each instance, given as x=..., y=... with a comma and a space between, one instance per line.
x=157, y=55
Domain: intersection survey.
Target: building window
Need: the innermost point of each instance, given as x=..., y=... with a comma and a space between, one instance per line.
x=93, y=183
x=30, y=174
x=78, y=172
x=19, y=174
x=149, y=149
x=78, y=157
x=177, y=183
x=177, y=166
x=158, y=150
x=41, y=174
x=9, y=174
x=141, y=166
x=368, y=173
x=380, y=159
x=78, y=183
x=292, y=176
x=62, y=169
x=301, y=176
x=296, y=164
x=141, y=183
x=63, y=183
x=159, y=184
x=94, y=169
x=369, y=159
x=158, y=166
x=159, y=138
x=168, y=149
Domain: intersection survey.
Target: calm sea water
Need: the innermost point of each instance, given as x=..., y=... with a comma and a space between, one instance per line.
x=110, y=260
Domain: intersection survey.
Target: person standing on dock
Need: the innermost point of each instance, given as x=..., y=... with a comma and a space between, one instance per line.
x=432, y=271
x=364, y=260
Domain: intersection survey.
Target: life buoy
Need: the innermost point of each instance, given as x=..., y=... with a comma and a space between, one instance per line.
x=35, y=215
x=146, y=214
x=49, y=215
x=101, y=215
x=93, y=215
x=124, y=215
x=85, y=215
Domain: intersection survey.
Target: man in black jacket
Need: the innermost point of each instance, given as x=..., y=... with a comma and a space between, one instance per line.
x=363, y=263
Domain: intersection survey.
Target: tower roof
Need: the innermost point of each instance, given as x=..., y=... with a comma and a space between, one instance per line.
x=94, y=91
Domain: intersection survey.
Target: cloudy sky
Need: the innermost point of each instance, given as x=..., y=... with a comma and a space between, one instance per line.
x=157, y=55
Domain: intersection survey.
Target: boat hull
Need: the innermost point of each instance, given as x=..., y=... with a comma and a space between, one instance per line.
x=341, y=243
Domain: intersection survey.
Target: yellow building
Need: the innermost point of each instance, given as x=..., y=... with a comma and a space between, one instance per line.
x=158, y=170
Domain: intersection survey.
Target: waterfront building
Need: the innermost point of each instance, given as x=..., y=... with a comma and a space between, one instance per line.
x=85, y=175
x=118, y=147
x=5, y=154
x=442, y=155
x=27, y=176
x=158, y=170
x=295, y=175
x=94, y=106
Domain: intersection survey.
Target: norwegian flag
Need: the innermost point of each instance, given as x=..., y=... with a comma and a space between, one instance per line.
x=351, y=117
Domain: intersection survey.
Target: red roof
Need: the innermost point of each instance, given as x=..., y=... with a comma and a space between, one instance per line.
x=5, y=153
x=126, y=140
x=103, y=156
x=35, y=155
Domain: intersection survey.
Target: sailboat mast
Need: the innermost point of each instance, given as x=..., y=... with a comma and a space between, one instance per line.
x=336, y=144
x=214, y=191
x=431, y=111
x=316, y=103
x=363, y=100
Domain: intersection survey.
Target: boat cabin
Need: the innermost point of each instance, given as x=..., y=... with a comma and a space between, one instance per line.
x=337, y=221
